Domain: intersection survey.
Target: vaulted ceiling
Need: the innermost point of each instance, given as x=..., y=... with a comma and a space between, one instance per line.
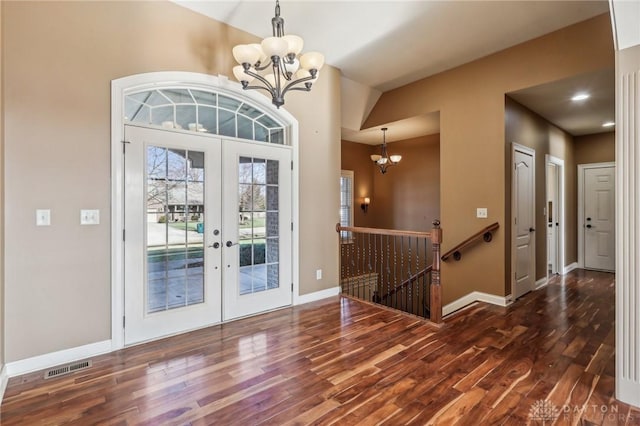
x=381, y=45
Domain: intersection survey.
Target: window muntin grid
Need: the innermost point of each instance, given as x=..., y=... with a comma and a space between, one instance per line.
x=202, y=111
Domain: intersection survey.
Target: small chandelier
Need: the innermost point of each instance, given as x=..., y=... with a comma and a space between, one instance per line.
x=283, y=71
x=383, y=161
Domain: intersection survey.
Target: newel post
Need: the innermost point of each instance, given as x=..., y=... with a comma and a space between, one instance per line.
x=436, y=291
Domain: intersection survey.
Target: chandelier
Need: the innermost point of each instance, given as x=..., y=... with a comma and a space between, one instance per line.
x=274, y=64
x=384, y=160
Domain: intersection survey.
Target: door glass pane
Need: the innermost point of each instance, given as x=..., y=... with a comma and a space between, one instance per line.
x=178, y=96
x=277, y=136
x=258, y=224
x=204, y=98
x=228, y=103
x=207, y=119
x=261, y=134
x=186, y=117
x=175, y=226
x=163, y=116
x=136, y=111
x=226, y=123
x=245, y=128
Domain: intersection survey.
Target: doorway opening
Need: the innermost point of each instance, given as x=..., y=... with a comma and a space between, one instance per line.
x=203, y=205
x=555, y=214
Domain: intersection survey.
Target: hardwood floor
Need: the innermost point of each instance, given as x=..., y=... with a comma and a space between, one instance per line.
x=341, y=361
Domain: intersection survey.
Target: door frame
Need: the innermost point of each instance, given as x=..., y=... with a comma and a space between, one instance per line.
x=550, y=159
x=514, y=234
x=221, y=84
x=581, y=169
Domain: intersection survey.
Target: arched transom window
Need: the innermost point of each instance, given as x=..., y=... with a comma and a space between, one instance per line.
x=203, y=111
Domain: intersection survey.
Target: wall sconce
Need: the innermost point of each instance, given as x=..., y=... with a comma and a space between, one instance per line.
x=365, y=205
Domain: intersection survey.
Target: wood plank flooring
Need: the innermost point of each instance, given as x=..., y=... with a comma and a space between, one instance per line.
x=549, y=356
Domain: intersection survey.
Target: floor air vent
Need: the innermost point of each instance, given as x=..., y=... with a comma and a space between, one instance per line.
x=66, y=369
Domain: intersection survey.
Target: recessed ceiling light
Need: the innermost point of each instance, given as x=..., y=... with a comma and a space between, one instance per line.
x=608, y=124
x=580, y=97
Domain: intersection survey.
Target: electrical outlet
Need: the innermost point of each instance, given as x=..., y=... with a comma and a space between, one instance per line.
x=318, y=274
x=481, y=212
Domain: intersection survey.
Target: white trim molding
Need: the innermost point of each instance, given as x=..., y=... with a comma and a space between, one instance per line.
x=475, y=296
x=542, y=282
x=53, y=359
x=317, y=295
x=570, y=267
x=628, y=224
x=4, y=381
x=625, y=15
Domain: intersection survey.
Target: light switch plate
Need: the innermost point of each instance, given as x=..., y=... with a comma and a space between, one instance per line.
x=43, y=217
x=318, y=274
x=89, y=217
x=481, y=212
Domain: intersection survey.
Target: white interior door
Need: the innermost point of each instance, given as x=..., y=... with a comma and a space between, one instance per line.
x=523, y=219
x=599, y=218
x=172, y=223
x=257, y=237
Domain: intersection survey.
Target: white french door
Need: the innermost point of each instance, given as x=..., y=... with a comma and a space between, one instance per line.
x=257, y=238
x=205, y=234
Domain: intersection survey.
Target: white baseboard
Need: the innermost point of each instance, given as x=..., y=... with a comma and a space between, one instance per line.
x=53, y=359
x=542, y=282
x=318, y=295
x=4, y=380
x=570, y=268
x=475, y=296
x=628, y=391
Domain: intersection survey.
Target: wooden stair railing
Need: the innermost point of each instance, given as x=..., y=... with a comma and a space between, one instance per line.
x=406, y=283
x=435, y=236
x=486, y=234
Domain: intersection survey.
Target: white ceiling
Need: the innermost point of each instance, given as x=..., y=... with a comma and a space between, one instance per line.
x=387, y=44
x=408, y=128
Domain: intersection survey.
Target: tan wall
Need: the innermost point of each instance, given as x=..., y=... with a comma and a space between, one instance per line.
x=470, y=99
x=596, y=148
x=524, y=127
x=318, y=113
x=60, y=58
x=407, y=197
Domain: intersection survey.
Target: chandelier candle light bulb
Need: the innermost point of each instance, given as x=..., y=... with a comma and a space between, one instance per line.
x=278, y=56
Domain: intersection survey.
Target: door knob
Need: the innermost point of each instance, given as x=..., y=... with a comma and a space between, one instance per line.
x=215, y=245
x=589, y=226
x=229, y=244
x=531, y=230
x=588, y=218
